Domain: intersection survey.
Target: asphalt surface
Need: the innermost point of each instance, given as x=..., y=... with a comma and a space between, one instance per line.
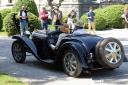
x=35, y=73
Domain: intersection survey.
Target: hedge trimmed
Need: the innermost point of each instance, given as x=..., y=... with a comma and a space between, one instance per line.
x=112, y=15
x=4, y=13
x=106, y=18
x=29, y=3
x=11, y=23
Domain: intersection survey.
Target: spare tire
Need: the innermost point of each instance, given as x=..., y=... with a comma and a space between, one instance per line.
x=109, y=53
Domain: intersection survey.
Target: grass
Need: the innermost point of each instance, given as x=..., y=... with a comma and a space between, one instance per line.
x=8, y=80
x=3, y=33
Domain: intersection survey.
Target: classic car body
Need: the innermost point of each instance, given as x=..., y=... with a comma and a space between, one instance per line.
x=75, y=52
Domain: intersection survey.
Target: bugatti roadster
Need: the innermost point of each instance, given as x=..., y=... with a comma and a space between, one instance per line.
x=75, y=52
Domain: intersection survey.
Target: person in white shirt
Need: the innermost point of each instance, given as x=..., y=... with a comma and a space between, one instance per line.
x=23, y=15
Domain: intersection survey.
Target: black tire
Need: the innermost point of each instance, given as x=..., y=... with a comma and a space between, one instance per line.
x=18, y=51
x=69, y=65
x=110, y=59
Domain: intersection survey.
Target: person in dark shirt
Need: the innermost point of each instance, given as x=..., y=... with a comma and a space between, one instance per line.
x=91, y=18
x=23, y=15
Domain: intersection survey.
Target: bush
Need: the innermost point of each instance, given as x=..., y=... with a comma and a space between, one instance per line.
x=100, y=21
x=108, y=17
x=1, y=22
x=11, y=23
x=5, y=12
x=29, y=3
x=112, y=15
x=84, y=20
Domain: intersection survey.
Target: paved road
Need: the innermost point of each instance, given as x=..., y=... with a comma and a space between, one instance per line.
x=36, y=73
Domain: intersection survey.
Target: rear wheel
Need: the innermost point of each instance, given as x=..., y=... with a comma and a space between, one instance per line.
x=71, y=64
x=110, y=53
x=18, y=51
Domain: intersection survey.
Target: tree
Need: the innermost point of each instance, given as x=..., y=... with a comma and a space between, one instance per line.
x=29, y=3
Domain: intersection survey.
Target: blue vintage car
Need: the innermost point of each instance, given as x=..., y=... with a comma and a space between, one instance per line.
x=75, y=52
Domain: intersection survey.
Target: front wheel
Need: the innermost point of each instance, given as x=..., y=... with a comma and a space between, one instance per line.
x=71, y=64
x=18, y=51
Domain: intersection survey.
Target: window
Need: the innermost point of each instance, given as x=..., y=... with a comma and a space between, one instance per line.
x=10, y=1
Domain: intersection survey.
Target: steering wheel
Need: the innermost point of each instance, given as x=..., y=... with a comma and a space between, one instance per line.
x=53, y=37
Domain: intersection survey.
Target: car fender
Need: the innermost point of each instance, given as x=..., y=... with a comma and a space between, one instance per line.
x=29, y=43
x=77, y=47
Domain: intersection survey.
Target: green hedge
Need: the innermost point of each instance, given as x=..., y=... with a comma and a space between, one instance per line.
x=100, y=21
x=106, y=18
x=5, y=12
x=29, y=3
x=112, y=15
x=1, y=22
x=11, y=23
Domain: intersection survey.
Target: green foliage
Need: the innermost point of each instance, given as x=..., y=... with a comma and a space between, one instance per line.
x=1, y=22
x=64, y=19
x=11, y=23
x=5, y=12
x=34, y=22
x=108, y=17
x=84, y=20
x=112, y=15
x=100, y=21
x=29, y=3
x=8, y=80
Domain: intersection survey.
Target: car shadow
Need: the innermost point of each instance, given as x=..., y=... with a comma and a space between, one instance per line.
x=115, y=77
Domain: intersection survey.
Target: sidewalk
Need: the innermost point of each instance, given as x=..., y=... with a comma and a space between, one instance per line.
x=121, y=34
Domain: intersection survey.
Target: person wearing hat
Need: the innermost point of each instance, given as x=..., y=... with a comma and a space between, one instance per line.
x=79, y=28
x=65, y=31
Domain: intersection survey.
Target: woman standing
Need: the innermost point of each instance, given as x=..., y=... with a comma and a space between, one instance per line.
x=126, y=16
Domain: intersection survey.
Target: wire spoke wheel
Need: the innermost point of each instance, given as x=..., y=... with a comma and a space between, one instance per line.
x=110, y=53
x=18, y=51
x=113, y=52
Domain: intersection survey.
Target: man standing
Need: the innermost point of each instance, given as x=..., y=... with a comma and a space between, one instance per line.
x=44, y=18
x=91, y=17
x=23, y=14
